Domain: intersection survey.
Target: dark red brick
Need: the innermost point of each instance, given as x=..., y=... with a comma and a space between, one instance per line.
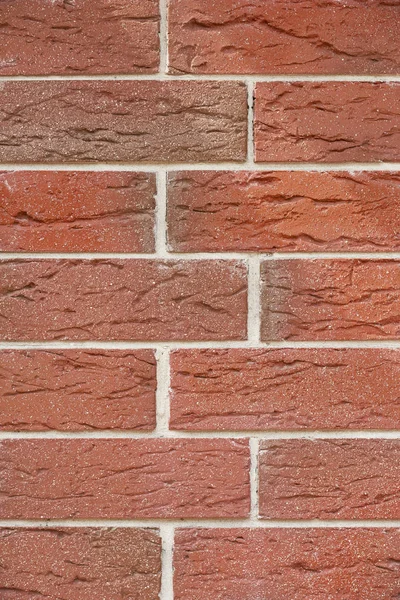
x=284, y=36
x=330, y=479
x=75, y=37
x=327, y=122
x=300, y=564
x=283, y=211
x=80, y=563
x=122, y=300
x=330, y=300
x=124, y=479
x=49, y=211
x=288, y=389
x=76, y=390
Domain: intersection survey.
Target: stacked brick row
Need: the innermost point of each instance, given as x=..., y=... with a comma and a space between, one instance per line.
x=200, y=299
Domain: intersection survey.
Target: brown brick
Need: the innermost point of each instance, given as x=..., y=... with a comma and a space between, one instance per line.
x=330, y=300
x=128, y=121
x=284, y=211
x=49, y=211
x=289, y=389
x=122, y=300
x=327, y=122
x=330, y=479
x=75, y=390
x=300, y=564
x=75, y=37
x=80, y=563
x=124, y=479
x=284, y=36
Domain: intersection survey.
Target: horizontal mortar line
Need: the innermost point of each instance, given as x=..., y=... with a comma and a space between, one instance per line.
x=204, y=523
x=256, y=78
x=190, y=256
x=202, y=166
x=179, y=435
x=194, y=345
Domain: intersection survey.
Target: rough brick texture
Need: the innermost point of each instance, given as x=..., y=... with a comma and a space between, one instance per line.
x=124, y=479
x=78, y=37
x=76, y=390
x=330, y=479
x=283, y=211
x=330, y=300
x=122, y=300
x=327, y=122
x=128, y=121
x=284, y=36
x=80, y=563
x=285, y=389
x=76, y=212
x=301, y=564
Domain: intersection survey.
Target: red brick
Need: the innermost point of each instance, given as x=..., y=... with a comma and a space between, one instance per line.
x=289, y=389
x=75, y=37
x=124, y=479
x=330, y=300
x=49, y=211
x=122, y=300
x=128, y=121
x=285, y=211
x=75, y=390
x=300, y=564
x=284, y=36
x=327, y=122
x=330, y=479
x=80, y=563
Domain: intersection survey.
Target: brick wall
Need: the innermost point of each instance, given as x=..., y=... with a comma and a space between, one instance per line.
x=200, y=299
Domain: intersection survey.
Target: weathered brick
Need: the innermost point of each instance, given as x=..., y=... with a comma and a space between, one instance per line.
x=327, y=122
x=128, y=121
x=330, y=479
x=77, y=389
x=330, y=299
x=285, y=211
x=49, y=211
x=75, y=37
x=80, y=563
x=124, y=479
x=284, y=36
x=122, y=300
x=300, y=564
x=289, y=389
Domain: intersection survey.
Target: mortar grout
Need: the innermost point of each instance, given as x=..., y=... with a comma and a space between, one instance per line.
x=162, y=393
x=163, y=253
x=160, y=219
x=161, y=431
x=195, y=345
x=253, y=300
x=167, y=533
x=149, y=167
x=254, y=449
x=202, y=524
x=163, y=75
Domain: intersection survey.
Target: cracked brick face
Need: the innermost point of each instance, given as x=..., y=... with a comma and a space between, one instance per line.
x=284, y=36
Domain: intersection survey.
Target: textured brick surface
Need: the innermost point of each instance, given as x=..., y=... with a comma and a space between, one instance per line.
x=122, y=300
x=249, y=389
x=330, y=479
x=330, y=300
x=76, y=211
x=283, y=211
x=327, y=122
x=124, y=479
x=78, y=36
x=300, y=564
x=128, y=121
x=284, y=36
x=80, y=563
x=77, y=389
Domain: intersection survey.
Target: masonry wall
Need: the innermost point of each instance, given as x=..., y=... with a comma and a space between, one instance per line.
x=200, y=299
